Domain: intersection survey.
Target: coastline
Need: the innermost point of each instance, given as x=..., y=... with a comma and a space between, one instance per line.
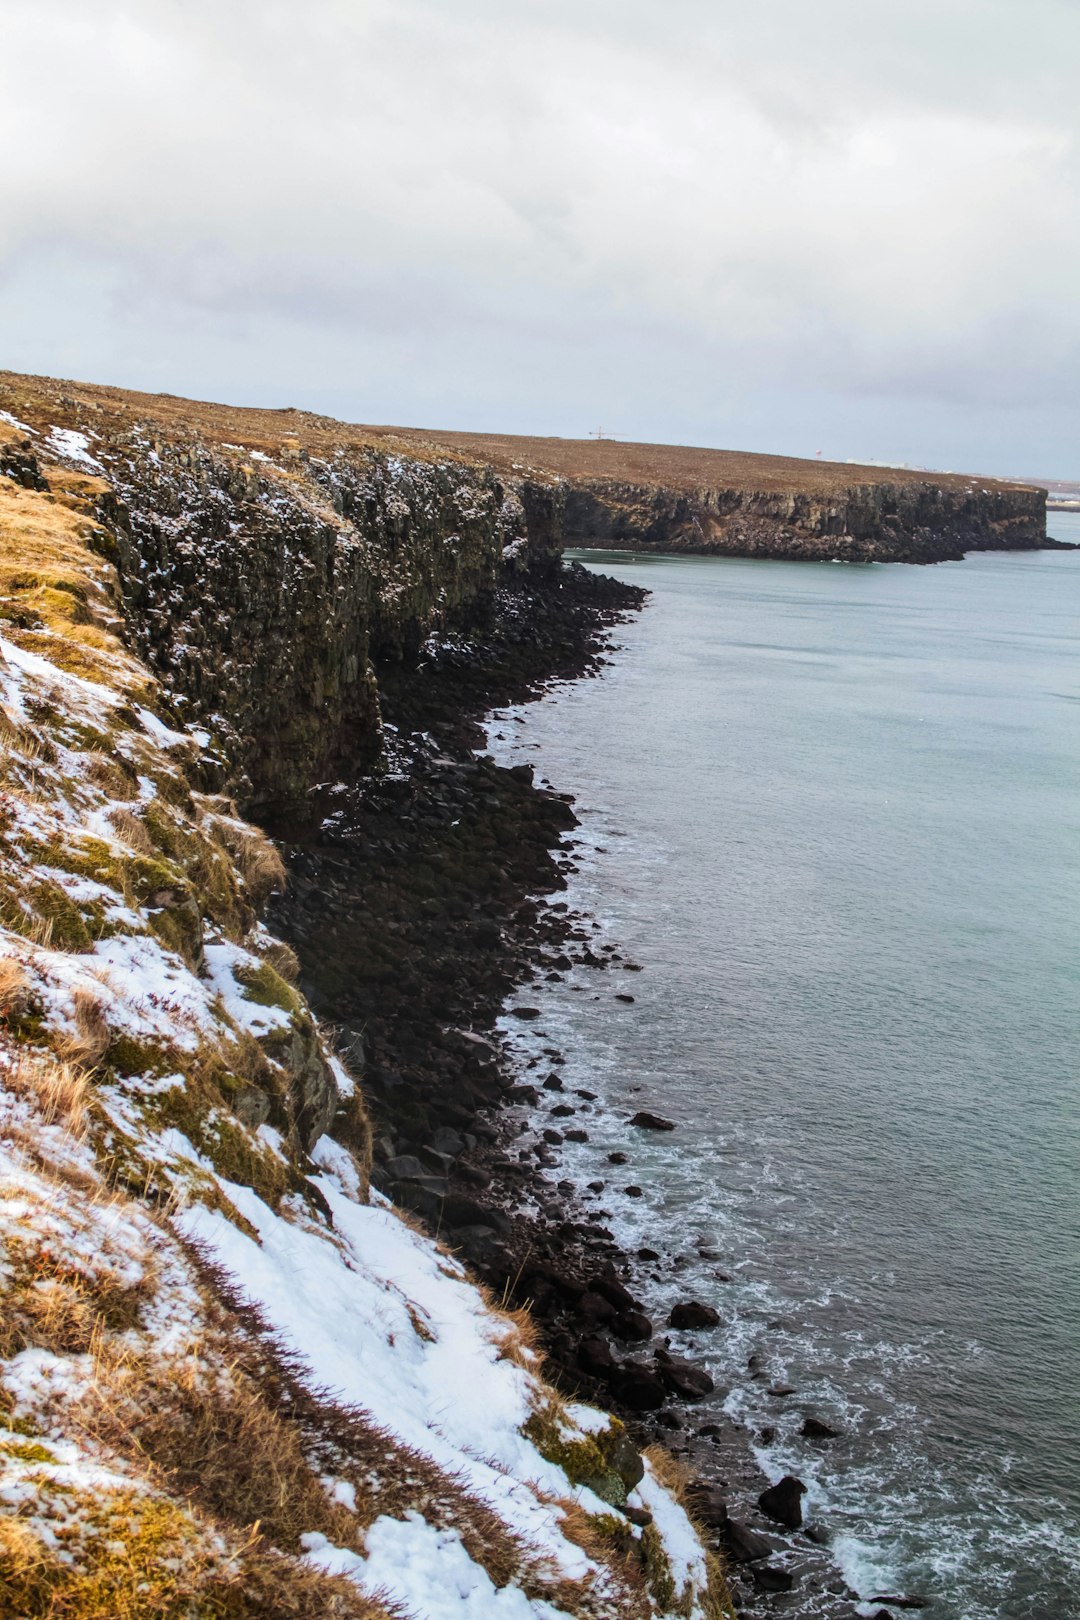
x=423, y=902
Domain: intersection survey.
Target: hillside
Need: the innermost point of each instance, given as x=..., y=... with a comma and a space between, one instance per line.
x=234, y=1380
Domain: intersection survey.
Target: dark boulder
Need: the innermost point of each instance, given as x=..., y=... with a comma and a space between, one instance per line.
x=773, y=1578
x=594, y=1356
x=652, y=1122
x=814, y=1429
x=691, y=1313
x=682, y=1378
x=632, y=1327
x=783, y=1501
x=708, y=1503
x=638, y=1387
x=745, y=1546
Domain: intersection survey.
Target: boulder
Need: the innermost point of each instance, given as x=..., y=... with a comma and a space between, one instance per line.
x=745, y=1546
x=652, y=1122
x=773, y=1578
x=783, y=1501
x=594, y=1356
x=814, y=1429
x=632, y=1327
x=691, y=1313
x=682, y=1378
x=708, y=1503
x=638, y=1387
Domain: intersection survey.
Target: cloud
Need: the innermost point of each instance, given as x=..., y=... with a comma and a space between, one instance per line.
x=840, y=202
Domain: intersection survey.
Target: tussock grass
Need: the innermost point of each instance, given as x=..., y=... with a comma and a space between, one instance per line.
x=59, y=1091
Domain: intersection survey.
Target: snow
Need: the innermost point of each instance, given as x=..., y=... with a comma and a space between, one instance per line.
x=427, y=1572
x=390, y=1325
x=72, y=446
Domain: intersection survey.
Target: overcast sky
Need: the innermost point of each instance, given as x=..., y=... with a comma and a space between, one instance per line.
x=848, y=225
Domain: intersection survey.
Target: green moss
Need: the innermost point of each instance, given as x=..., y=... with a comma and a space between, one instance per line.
x=657, y=1567
x=267, y=988
x=26, y=1451
x=199, y=1110
x=580, y=1456
x=127, y=1056
x=44, y=910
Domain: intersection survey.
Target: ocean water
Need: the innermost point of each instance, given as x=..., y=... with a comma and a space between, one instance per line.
x=834, y=813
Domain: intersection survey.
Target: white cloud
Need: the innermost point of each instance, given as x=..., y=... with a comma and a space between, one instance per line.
x=553, y=210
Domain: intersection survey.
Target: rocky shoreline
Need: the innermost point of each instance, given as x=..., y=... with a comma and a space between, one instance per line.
x=422, y=897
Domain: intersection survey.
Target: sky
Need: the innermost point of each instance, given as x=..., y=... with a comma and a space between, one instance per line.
x=851, y=226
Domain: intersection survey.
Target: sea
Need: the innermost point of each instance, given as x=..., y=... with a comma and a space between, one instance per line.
x=833, y=813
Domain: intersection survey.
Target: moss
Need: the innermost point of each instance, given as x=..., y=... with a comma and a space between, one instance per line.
x=199, y=1109
x=580, y=1456
x=657, y=1567
x=126, y=1056
x=267, y=988
x=26, y=1451
x=45, y=912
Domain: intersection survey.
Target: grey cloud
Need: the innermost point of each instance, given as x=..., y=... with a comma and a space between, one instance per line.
x=853, y=215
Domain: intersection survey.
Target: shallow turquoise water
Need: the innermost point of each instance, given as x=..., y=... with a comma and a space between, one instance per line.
x=835, y=812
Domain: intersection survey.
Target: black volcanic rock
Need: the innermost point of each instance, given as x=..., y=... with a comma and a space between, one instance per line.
x=783, y=1501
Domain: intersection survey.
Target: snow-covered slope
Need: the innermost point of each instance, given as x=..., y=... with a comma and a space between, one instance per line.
x=232, y=1382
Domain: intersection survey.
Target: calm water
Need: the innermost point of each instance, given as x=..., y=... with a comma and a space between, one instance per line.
x=835, y=812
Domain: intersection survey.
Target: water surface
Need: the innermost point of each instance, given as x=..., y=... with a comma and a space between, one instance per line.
x=834, y=812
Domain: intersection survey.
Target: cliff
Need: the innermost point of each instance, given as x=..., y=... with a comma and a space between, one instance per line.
x=672, y=498
x=233, y=1381
x=275, y=566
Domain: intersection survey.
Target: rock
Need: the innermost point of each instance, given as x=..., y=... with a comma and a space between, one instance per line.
x=744, y=1545
x=460, y=1210
x=594, y=1307
x=525, y=1012
x=691, y=1313
x=616, y=1158
x=577, y=1135
x=632, y=1327
x=773, y=1578
x=553, y=1083
x=682, y=1378
x=594, y=1356
x=652, y=1122
x=902, y=1602
x=638, y=1387
x=708, y=1503
x=587, y=1096
x=622, y=1455
x=634, y=1191
x=403, y=1167
x=611, y=1289
x=781, y=1389
x=639, y=1516
x=783, y=1501
x=647, y=1254
x=619, y=996
x=563, y=1111
x=553, y=1138
x=814, y=1429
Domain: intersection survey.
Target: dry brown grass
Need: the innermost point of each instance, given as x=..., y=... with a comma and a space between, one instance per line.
x=14, y=988
x=143, y=1557
x=132, y=830
x=43, y=400
x=86, y=1044
x=283, y=959
x=58, y=1090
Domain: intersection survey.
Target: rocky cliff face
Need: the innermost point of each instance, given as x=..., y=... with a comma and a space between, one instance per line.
x=879, y=522
x=265, y=593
